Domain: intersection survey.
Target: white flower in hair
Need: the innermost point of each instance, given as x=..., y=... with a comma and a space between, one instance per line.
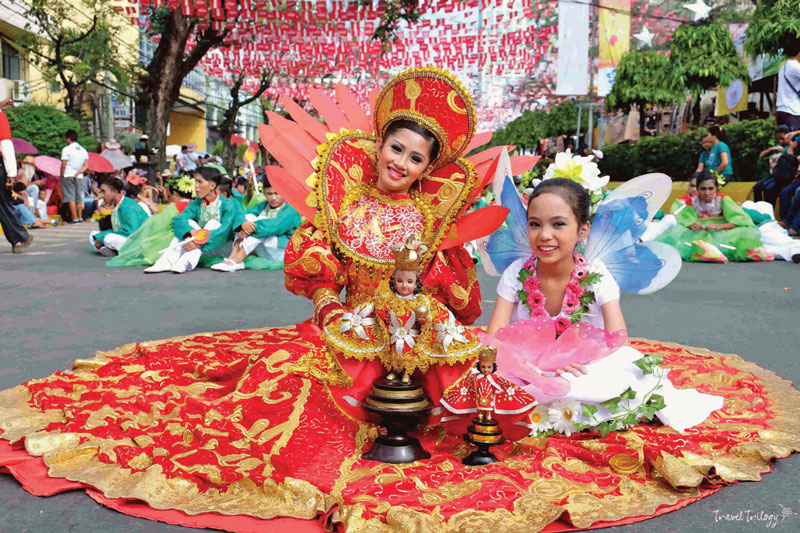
x=563, y=415
x=579, y=169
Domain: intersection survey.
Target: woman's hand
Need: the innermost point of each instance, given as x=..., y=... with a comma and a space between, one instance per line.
x=695, y=226
x=191, y=245
x=712, y=227
x=576, y=369
x=248, y=228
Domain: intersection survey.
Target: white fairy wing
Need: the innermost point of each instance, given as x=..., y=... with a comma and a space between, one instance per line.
x=619, y=224
x=509, y=242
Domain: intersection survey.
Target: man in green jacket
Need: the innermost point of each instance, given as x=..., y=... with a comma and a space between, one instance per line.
x=126, y=217
x=264, y=230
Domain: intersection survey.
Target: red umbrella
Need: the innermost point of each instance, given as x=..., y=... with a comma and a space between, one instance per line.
x=48, y=165
x=99, y=164
x=235, y=139
x=21, y=146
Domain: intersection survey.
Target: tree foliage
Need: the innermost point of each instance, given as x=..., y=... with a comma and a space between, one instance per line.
x=532, y=126
x=645, y=77
x=76, y=55
x=45, y=126
x=773, y=23
x=706, y=56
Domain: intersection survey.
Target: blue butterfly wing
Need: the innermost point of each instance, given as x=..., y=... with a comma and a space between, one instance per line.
x=619, y=224
x=644, y=268
x=510, y=241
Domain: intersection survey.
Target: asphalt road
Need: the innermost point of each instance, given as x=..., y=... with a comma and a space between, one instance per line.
x=60, y=303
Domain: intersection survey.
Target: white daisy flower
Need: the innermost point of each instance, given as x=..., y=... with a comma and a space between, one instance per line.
x=358, y=320
x=540, y=419
x=563, y=415
x=403, y=334
x=450, y=331
x=577, y=168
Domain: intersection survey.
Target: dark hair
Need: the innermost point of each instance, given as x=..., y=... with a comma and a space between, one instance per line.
x=494, y=367
x=783, y=128
x=184, y=147
x=131, y=190
x=695, y=176
x=173, y=188
x=705, y=175
x=72, y=135
x=239, y=180
x=417, y=289
x=717, y=132
x=791, y=46
x=265, y=182
x=571, y=192
x=114, y=183
x=225, y=188
x=18, y=187
x=210, y=174
x=416, y=128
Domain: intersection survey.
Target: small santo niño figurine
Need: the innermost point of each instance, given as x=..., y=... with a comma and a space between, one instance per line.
x=405, y=327
x=484, y=392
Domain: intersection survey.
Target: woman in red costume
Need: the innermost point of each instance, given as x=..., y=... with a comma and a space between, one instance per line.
x=262, y=429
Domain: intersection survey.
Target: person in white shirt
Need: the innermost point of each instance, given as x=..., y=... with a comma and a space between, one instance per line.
x=74, y=162
x=788, y=103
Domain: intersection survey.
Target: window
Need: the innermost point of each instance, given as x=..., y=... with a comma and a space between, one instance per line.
x=10, y=67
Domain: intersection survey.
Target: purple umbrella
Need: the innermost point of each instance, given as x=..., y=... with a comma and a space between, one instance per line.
x=21, y=146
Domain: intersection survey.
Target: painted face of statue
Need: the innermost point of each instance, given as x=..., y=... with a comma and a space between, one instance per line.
x=405, y=282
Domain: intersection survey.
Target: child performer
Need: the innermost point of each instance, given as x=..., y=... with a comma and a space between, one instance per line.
x=557, y=284
x=126, y=217
x=264, y=230
x=204, y=227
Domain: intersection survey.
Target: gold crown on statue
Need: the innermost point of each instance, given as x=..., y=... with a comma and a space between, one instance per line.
x=408, y=255
x=487, y=355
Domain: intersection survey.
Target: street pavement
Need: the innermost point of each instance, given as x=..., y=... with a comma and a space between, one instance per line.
x=62, y=303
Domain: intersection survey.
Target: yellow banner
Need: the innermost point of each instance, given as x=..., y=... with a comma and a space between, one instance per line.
x=614, y=28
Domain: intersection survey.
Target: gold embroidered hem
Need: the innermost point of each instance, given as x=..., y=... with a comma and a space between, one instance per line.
x=224, y=423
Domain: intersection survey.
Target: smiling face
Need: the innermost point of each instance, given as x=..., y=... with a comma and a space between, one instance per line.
x=553, y=229
x=706, y=190
x=274, y=199
x=486, y=368
x=403, y=158
x=405, y=282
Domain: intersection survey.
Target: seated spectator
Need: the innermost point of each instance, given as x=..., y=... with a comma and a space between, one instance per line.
x=717, y=158
x=766, y=188
x=24, y=207
x=136, y=188
x=204, y=228
x=239, y=188
x=126, y=217
x=264, y=230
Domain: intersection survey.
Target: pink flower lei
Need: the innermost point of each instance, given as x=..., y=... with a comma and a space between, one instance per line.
x=576, y=297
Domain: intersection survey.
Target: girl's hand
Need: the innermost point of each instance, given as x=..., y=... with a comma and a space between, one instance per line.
x=576, y=369
x=713, y=227
x=191, y=245
x=695, y=226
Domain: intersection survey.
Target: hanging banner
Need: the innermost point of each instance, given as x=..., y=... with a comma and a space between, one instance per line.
x=572, y=62
x=731, y=99
x=614, y=39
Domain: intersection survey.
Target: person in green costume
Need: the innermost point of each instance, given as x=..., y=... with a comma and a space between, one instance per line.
x=205, y=228
x=126, y=217
x=145, y=245
x=713, y=228
x=264, y=230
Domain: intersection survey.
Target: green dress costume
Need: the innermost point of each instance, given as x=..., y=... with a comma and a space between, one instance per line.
x=742, y=243
x=125, y=219
x=144, y=246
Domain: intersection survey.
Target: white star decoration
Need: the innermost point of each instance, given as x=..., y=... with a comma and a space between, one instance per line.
x=699, y=8
x=542, y=101
x=645, y=37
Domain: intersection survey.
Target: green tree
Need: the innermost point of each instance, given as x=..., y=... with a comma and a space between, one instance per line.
x=645, y=78
x=164, y=74
x=238, y=101
x=75, y=55
x=707, y=57
x=532, y=126
x=44, y=127
x=772, y=24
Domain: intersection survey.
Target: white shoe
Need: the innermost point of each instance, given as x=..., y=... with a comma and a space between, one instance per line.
x=157, y=268
x=180, y=267
x=227, y=266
